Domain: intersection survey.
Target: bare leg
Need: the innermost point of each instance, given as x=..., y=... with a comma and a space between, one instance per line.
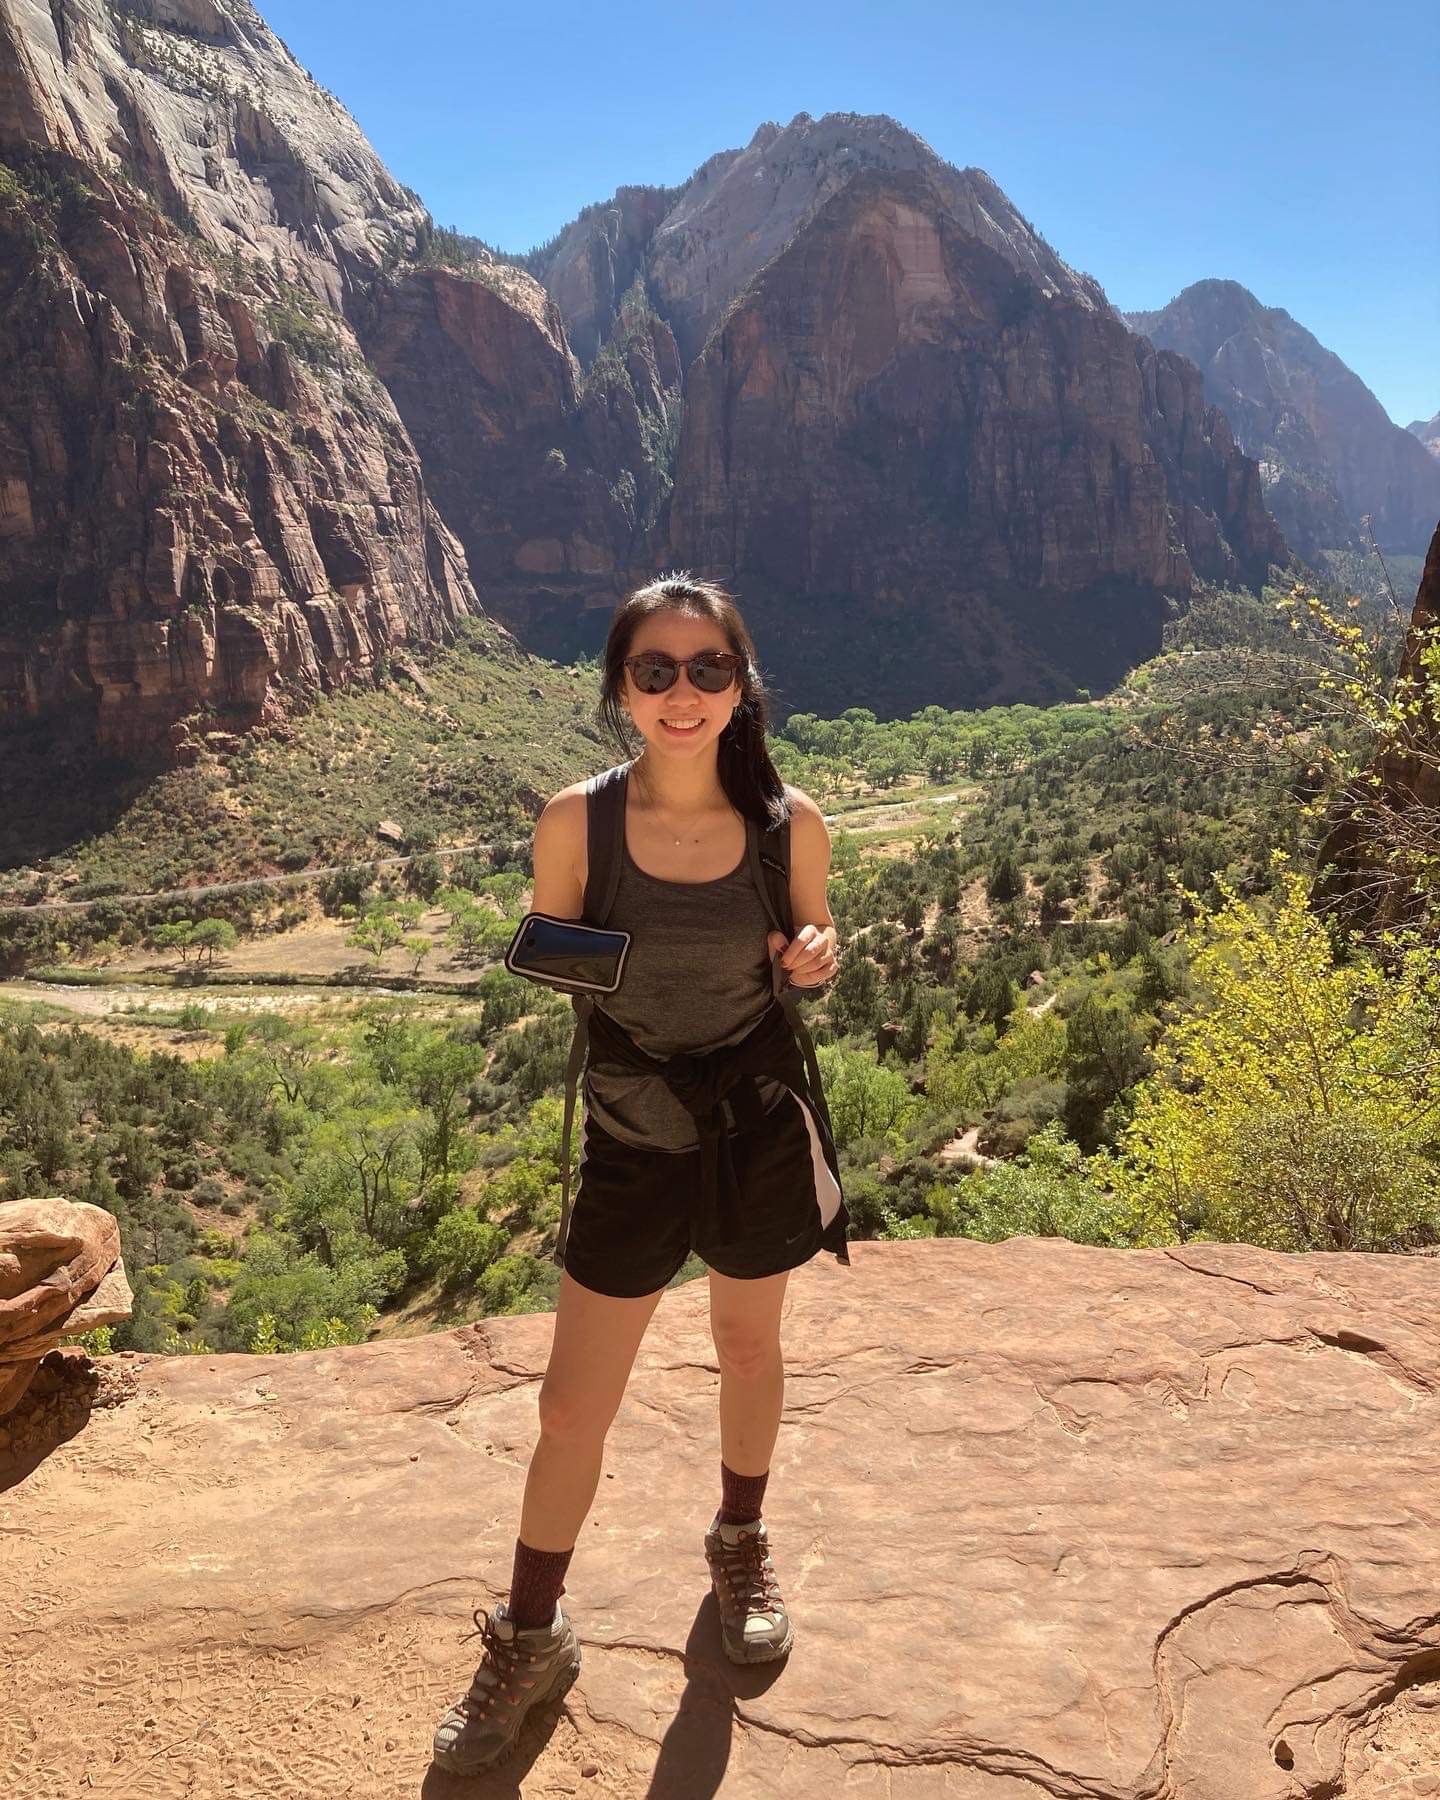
x=745, y=1324
x=591, y=1356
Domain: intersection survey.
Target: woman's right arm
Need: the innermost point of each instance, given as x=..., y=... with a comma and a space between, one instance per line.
x=559, y=842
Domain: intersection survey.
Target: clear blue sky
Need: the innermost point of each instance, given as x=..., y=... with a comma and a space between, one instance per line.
x=1289, y=147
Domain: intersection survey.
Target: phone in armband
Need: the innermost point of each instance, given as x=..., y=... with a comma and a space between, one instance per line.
x=568, y=954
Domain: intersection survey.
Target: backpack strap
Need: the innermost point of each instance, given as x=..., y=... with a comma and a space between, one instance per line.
x=604, y=841
x=770, y=871
x=604, y=850
x=768, y=847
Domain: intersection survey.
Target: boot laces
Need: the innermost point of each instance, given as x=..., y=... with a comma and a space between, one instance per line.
x=498, y=1665
x=751, y=1573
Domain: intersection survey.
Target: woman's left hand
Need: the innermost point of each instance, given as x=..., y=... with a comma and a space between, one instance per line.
x=810, y=958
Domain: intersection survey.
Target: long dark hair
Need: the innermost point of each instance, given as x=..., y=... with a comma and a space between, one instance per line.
x=751, y=781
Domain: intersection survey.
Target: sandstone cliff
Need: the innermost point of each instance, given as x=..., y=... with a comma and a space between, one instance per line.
x=201, y=104
x=908, y=422
x=253, y=405
x=915, y=460
x=741, y=207
x=208, y=505
x=550, y=474
x=1328, y=450
x=1051, y=1521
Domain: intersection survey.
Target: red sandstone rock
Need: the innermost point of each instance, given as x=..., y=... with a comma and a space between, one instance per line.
x=891, y=424
x=60, y=1275
x=207, y=503
x=1051, y=1521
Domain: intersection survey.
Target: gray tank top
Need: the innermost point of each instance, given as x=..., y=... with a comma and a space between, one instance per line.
x=697, y=977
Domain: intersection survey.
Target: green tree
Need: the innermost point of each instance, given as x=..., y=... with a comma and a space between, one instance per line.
x=377, y=932
x=463, y=1245
x=1297, y=1107
x=1048, y=1190
x=178, y=935
x=865, y=1099
x=1006, y=881
x=286, y=1050
x=211, y=935
x=437, y=1073
x=1104, y=1054
x=300, y=1296
x=972, y=1076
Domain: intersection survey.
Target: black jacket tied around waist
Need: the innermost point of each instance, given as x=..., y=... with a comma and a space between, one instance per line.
x=701, y=1081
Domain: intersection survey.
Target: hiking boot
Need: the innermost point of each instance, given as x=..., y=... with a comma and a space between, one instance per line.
x=754, y=1624
x=523, y=1669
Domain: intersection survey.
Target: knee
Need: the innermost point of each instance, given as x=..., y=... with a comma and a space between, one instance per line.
x=746, y=1354
x=571, y=1416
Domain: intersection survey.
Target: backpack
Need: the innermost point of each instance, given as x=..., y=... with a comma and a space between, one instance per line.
x=768, y=856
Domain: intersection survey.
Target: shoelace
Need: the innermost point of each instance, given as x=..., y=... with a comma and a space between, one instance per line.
x=500, y=1659
x=751, y=1573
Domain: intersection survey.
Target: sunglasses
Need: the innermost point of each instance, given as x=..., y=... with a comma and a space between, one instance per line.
x=712, y=671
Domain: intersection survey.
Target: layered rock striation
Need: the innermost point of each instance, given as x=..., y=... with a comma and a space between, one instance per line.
x=257, y=392
x=913, y=458
x=700, y=244
x=1329, y=453
x=209, y=508
x=551, y=474
x=61, y=1275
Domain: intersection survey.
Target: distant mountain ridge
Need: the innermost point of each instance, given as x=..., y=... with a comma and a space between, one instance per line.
x=257, y=391
x=1064, y=475
x=1328, y=451
x=1428, y=432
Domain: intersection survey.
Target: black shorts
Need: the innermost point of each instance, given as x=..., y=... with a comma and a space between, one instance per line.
x=635, y=1216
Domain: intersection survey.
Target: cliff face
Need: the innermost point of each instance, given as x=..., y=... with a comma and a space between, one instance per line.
x=598, y=257
x=236, y=353
x=915, y=460
x=550, y=475
x=700, y=244
x=1328, y=450
x=204, y=107
x=207, y=503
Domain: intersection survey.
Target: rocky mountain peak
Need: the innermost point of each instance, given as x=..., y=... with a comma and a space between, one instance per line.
x=709, y=237
x=209, y=507
x=1329, y=452
x=1428, y=432
x=203, y=105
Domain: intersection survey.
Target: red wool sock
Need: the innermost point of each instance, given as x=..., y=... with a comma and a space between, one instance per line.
x=740, y=1496
x=537, y=1583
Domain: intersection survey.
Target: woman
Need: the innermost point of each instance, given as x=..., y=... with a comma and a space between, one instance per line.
x=698, y=979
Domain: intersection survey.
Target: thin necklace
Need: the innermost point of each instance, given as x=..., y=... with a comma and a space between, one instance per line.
x=652, y=809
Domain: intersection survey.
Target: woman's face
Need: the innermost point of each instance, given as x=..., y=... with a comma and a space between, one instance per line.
x=680, y=635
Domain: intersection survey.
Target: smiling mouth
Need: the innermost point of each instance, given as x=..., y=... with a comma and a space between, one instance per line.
x=671, y=725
